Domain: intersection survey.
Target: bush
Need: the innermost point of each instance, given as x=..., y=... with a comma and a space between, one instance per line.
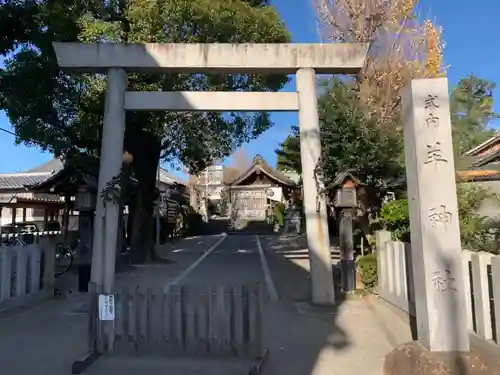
x=367, y=267
x=477, y=233
x=394, y=218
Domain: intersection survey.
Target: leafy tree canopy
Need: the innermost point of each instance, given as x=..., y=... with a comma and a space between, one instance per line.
x=350, y=140
x=471, y=106
x=289, y=153
x=60, y=112
x=63, y=113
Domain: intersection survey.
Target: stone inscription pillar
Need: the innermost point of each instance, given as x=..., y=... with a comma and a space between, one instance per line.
x=435, y=232
x=108, y=214
x=318, y=240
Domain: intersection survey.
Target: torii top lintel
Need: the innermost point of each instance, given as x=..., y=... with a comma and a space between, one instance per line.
x=325, y=58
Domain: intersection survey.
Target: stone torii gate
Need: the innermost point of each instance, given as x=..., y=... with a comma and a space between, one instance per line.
x=437, y=268
x=304, y=60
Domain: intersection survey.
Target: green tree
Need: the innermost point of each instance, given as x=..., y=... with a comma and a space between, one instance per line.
x=63, y=112
x=475, y=230
x=350, y=139
x=471, y=106
x=288, y=154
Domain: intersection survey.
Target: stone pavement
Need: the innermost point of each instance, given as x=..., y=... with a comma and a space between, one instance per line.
x=350, y=338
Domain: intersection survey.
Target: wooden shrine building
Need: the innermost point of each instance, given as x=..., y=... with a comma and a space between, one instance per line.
x=253, y=190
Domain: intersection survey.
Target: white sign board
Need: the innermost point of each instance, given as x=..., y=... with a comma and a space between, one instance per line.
x=275, y=194
x=106, y=307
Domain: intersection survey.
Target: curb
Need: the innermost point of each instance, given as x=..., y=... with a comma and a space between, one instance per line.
x=271, y=287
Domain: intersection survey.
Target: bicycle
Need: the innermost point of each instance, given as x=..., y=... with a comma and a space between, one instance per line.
x=63, y=254
x=64, y=258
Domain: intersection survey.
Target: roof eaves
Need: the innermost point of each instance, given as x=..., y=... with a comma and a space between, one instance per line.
x=486, y=159
x=483, y=145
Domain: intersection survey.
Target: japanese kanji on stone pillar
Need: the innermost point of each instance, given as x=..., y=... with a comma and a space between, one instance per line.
x=435, y=232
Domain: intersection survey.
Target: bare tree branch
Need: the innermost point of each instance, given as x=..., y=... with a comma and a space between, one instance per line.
x=401, y=48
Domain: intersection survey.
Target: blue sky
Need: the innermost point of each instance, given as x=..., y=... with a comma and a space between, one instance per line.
x=472, y=46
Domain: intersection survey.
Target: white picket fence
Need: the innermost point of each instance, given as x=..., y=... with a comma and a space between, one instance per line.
x=21, y=278
x=482, y=284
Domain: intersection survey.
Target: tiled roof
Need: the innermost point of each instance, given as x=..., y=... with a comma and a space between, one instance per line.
x=52, y=165
x=169, y=178
x=488, y=159
x=20, y=180
x=259, y=164
x=50, y=169
x=476, y=150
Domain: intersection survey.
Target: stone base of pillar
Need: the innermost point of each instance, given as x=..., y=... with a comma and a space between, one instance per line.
x=348, y=275
x=412, y=359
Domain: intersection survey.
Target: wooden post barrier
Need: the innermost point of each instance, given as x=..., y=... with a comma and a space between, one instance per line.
x=190, y=320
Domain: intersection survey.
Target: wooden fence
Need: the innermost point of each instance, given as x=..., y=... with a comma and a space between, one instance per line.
x=482, y=284
x=26, y=273
x=184, y=320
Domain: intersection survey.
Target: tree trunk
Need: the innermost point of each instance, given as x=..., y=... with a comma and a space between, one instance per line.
x=120, y=244
x=145, y=150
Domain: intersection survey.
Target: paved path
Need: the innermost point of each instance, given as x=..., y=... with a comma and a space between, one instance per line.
x=235, y=261
x=350, y=338
x=46, y=339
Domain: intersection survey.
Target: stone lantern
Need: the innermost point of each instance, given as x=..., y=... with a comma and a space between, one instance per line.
x=346, y=187
x=85, y=199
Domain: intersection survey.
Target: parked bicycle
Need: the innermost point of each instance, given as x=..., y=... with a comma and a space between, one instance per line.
x=64, y=255
x=64, y=258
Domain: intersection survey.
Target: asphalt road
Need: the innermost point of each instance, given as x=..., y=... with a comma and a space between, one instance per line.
x=235, y=261
x=53, y=334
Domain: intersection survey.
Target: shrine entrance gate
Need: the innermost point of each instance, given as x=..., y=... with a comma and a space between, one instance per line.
x=303, y=60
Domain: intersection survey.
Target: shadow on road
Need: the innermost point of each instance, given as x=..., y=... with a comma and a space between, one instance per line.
x=297, y=332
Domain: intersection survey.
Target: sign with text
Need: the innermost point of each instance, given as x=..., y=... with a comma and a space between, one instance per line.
x=106, y=307
x=434, y=222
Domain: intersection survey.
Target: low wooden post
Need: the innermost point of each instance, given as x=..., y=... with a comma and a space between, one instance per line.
x=21, y=268
x=94, y=333
x=5, y=272
x=93, y=323
x=48, y=249
x=34, y=259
